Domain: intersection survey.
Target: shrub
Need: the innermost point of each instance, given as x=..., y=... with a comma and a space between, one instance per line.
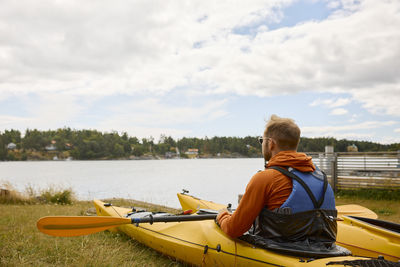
x=8, y=195
x=55, y=196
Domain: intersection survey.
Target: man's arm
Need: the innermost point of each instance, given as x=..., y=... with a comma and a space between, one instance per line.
x=250, y=206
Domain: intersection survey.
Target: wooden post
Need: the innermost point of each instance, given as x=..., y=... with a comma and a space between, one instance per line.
x=334, y=173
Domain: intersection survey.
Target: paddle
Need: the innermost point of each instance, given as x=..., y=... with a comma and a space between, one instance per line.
x=84, y=225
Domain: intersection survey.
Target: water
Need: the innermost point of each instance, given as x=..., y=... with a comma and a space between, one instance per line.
x=155, y=181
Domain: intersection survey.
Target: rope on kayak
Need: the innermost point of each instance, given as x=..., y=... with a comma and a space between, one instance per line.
x=203, y=261
x=366, y=263
x=218, y=248
x=112, y=206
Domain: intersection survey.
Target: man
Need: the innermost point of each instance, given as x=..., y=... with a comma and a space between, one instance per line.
x=308, y=218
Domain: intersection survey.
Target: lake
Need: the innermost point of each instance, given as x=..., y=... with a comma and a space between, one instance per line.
x=155, y=181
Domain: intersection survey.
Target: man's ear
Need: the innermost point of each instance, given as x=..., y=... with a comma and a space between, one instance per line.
x=272, y=145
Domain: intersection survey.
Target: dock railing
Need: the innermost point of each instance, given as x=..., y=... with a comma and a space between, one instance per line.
x=354, y=170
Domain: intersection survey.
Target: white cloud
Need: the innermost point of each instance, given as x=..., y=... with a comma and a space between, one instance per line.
x=108, y=47
x=357, y=131
x=333, y=4
x=12, y=122
x=390, y=139
x=353, y=118
x=331, y=103
x=151, y=113
x=397, y=130
x=382, y=99
x=354, y=136
x=81, y=50
x=156, y=46
x=339, y=111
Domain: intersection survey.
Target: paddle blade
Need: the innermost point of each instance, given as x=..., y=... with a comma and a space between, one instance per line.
x=78, y=225
x=356, y=210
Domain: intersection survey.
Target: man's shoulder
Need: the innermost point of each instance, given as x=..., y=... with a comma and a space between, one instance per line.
x=265, y=173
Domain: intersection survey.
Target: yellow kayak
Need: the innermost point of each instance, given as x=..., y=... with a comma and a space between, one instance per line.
x=202, y=243
x=359, y=231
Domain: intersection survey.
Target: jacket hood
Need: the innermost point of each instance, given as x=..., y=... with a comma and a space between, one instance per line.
x=298, y=161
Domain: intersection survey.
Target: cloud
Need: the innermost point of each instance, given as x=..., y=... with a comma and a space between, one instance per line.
x=141, y=115
x=12, y=122
x=339, y=111
x=331, y=103
x=149, y=46
x=390, y=139
x=397, y=130
x=382, y=100
x=43, y=111
x=119, y=47
x=355, y=131
x=333, y=4
x=71, y=53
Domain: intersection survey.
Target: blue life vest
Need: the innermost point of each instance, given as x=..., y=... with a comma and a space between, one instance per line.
x=311, y=190
x=305, y=224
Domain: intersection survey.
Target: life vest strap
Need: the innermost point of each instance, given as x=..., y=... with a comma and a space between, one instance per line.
x=317, y=204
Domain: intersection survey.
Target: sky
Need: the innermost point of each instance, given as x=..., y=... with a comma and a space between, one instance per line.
x=202, y=68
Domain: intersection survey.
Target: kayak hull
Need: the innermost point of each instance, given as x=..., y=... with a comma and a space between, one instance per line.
x=202, y=243
x=361, y=238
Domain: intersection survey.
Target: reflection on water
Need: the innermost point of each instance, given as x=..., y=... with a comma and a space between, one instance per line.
x=156, y=181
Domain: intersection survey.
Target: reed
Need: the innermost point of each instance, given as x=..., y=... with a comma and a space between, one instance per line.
x=9, y=195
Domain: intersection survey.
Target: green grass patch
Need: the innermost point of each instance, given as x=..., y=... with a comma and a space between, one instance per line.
x=23, y=245
x=374, y=194
x=62, y=196
x=383, y=211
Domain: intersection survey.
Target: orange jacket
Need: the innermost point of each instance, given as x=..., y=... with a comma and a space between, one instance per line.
x=268, y=188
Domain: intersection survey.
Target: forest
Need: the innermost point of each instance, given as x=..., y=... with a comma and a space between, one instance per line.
x=68, y=143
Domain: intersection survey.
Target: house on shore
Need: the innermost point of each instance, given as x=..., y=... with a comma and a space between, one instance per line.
x=11, y=146
x=192, y=153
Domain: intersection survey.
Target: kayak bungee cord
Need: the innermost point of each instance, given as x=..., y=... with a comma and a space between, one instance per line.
x=112, y=206
x=206, y=247
x=374, y=251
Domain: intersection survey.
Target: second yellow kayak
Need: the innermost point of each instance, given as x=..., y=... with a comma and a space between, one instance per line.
x=360, y=237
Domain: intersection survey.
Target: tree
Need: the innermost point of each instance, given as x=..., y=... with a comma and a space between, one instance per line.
x=3, y=148
x=12, y=136
x=34, y=139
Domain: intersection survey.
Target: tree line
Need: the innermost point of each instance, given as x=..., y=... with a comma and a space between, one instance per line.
x=93, y=144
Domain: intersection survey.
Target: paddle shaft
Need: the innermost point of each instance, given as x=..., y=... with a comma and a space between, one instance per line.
x=175, y=218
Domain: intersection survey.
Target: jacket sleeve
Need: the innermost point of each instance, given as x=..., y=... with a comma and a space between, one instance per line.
x=250, y=206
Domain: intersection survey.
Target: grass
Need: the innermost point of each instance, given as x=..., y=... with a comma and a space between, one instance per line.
x=388, y=210
x=23, y=245
x=376, y=194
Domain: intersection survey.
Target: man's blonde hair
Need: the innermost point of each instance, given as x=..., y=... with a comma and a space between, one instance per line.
x=284, y=131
